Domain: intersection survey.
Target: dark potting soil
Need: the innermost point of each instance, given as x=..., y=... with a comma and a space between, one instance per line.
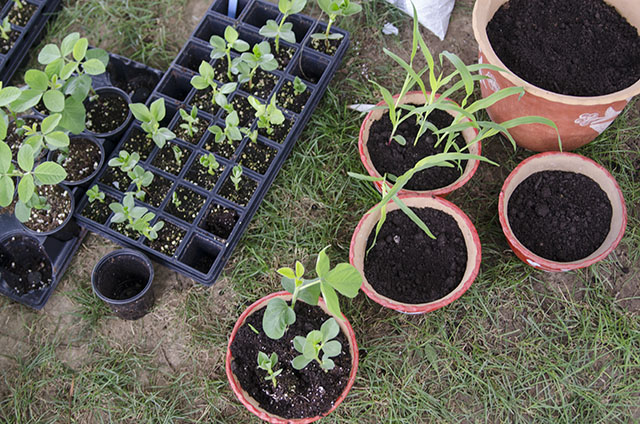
x=246, y=113
x=257, y=156
x=139, y=142
x=200, y=176
x=299, y=393
x=168, y=240
x=157, y=190
x=561, y=216
x=288, y=99
x=19, y=16
x=283, y=55
x=167, y=160
x=262, y=84
x=6, y=45
x=81, y=161
x=117, y=178
x=121, y=227
x=59, y=201
x=326, y=46
x=106, y=112
x=198, y=130
x=243, y=194
x=98, y=211
x=395, y=159
x=185, y=204
x=23, y=267
x=220, y=221
x=203, y=100
x=220, y=69
x=573, y=47
x=408, y=266
x=126, y=288
x=224, y=148
x=16, y=134
x=278, y=132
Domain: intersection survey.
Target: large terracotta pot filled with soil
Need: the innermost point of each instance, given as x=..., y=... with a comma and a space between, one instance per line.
x=379, y=156
x=578, y=61
x=561, y=211
x=408, y=271
x=241, y=366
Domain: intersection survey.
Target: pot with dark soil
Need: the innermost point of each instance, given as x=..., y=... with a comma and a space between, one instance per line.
x=83, y=160
x=56, y=218
x=123, y=279
x=407, y=270
x=578, y=61
x=561, y=211
x=19, y=15
x=107, y=112
x=24, y=264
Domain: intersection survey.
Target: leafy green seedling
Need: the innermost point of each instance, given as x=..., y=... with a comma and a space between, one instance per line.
x=251, y=134
x=47, y=135
x=150, y=118
x=141, y=178
x=177, y=154
x=284, y=29
x=299, y=87
x=5, y=28
x=344, y=278
x=248, y=63
x=218, y=93
x=94, y=194
x=19, y=4
x=190, y=119
x=175, y=199
x=138, y=218
x=222, y=46
x=7, y=95
x=209, y=161
x=267, y=114
x=124, y=160
x=231, y=131
x=30, y=176
x=318, y=341
x=236, y=176
x=268, y=363
x=335, y=9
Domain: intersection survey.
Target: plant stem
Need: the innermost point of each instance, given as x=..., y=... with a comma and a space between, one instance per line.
x=229, y=63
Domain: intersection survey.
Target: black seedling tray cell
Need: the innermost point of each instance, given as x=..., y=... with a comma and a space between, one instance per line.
x=29, y=35
x=201, y=253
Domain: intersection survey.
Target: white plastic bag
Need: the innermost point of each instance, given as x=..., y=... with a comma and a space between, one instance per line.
x=433, y=14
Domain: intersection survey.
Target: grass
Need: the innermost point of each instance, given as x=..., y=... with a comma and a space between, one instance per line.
x=520, y=346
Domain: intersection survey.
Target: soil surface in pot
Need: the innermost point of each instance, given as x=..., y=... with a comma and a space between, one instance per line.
x=106, y=113
x=288, y=99
x=139, y=142
x=395, y=159
x=126, y=288
x=16, y=135
x=6, y=45
x=325, y=46
x=262, y=84
x=200, y=176
x=408, y=266
x=45, y=220
x=240, y=195
x=81, y=161
x=169, y=238
x=197, y=130
x=283, y=55
x=23, y=267
x=98, y=211
x=561, y=216
x=220, y=221
x=185, y=204
x=20, y=16
x=300, y=393
x=573, y=47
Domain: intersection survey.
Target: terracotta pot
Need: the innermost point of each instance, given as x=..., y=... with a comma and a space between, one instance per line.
x=579, y=119
x=553, y=161
x=415, y=97
x=249, y=402
x=367, y=224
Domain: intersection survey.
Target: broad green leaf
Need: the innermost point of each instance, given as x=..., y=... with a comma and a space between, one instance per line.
x=53, y=100
x=270, y=29
x=199, y=83
x=26, y=187
x=36, y=79
x=6, y=190
x=332, y=348
x=28, y=99
x=50, y=123
x=66, y=47
x=73, y=116
x=56, y=140
x=345, y=278
x=68, y=69
x=141, y=112
x=288, y=284
x=296, y=6
x=80, y=49
x=99, y=54
x=8, y=95
x=276, y=318
x=287, y=272
x=230, y=34
x=157, y=109
x=331, y=299
x=310, y=292
x=22, y=211
x=78, y=87
x=4, y=124
x=322, y=263
x=299, y=269
x=50, y=173
x=299, y=362
x=298, y=343
x=329, y=329
x=5, y=157
x=54, y=68
x=219, y=46
x=48, y=54
x=287, y=34
x=26, y=157
x=94, y=67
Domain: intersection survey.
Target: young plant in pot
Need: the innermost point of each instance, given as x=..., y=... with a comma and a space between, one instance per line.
x=288, y=344
x=328, y=42
x=578, y=61
x=283, y=30
x=561, y=211
x=422, y=123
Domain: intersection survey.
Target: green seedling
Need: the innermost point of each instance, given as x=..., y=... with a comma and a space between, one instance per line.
x=251, y=134
x=231, y=131
x=30, y=177
x=47, y=136
x=248, y=63
x=138, y=218
x=236, y=176
x=19, y=3
x=268, y=363
x=175, y=199
x=124, y=160
x=344, y=278
x=177, y=154
x=7, y=96
x=140, y=178
x=218, y=93
x=334, y=9
x=299, y=87
x=318, y=341
x=5, y=28
x=284, y=29
x=209, y=161
x=221, y=47
x=150, y=118
x=190, y=119
x=267, y=114
x=94, y=194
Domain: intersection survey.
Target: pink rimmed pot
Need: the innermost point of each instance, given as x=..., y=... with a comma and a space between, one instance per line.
x=415, y=97
x=569, y=162
x=368, y=223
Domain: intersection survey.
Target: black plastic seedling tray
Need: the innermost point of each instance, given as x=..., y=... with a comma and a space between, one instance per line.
x=201, y=253
x=27, y=35
x=58, y=251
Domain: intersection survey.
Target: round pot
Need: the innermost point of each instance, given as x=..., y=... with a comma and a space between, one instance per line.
x=117, y=132
x=84, y=182
x=415, y=97
x=66, y=230
x=249, y=402
x=579, y=119
x=553, y=161
x=17, y=252
x=122, y=279
x=368, y=223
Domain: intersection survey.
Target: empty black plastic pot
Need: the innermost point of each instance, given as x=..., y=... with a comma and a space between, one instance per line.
x=123, y=278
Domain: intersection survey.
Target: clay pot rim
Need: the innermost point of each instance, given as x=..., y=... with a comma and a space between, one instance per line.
x=541, y=262
x=473, y=244
x=484, y=47
x=244, y=397
x=470, y=170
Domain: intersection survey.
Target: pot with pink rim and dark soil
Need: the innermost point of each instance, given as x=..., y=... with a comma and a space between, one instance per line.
x=405, y=269
x=561, y=211
x=570, y=59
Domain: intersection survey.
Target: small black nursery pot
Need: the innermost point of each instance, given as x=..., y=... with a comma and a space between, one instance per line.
x=123, y=278
x=108, y=113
